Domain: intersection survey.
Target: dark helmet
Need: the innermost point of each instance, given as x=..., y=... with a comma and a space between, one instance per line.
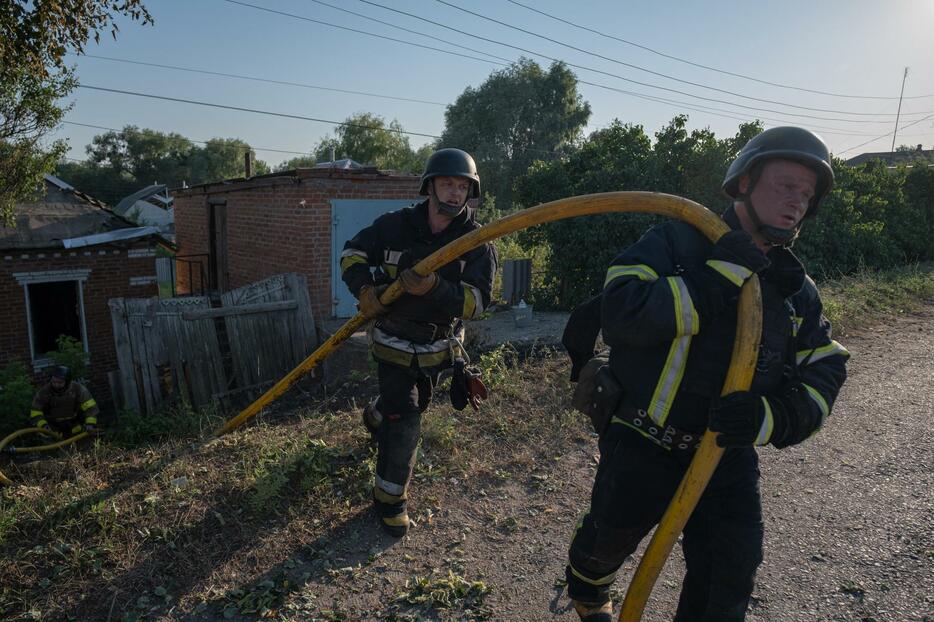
x=451, y=163
x=786, y=143
x=61, y=371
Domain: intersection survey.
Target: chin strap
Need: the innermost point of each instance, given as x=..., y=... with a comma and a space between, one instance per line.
x=776, y=236
x=446, y=209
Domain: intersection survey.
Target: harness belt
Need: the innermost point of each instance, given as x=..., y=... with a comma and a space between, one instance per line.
x=414, y=331
x=667, y=437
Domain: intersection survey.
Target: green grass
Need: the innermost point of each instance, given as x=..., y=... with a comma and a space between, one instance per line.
x=859, y=300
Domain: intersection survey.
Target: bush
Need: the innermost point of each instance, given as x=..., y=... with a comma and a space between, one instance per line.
x=16, y=393
x=70, y=352
x=179, y=421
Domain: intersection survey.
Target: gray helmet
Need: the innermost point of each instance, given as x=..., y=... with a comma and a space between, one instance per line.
x=785, y=143
x=451, y=163
x=61, y=371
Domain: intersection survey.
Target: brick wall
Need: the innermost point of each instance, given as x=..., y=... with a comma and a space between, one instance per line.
x=112, y=273
x=280, y=224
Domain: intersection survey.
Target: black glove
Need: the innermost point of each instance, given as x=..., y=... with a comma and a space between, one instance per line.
x=734, y=258
x=738, y=418
x=466, y=386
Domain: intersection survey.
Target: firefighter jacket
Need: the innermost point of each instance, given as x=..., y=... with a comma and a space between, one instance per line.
x=672, y=360
x=71, y=405
x=397, y=241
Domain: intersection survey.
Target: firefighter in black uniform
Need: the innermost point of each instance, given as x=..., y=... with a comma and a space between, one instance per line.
x=64, y=405
x=668, y=313
x=420, y=334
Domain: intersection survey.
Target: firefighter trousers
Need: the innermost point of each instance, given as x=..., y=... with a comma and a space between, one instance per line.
x=404, y=393
x=722, y=542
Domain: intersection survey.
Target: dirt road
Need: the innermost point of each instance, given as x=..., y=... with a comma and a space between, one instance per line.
x=849, y=518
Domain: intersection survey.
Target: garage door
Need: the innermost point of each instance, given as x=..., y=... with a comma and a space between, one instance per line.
x=347, y=218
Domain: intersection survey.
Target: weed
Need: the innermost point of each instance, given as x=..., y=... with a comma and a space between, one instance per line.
x=261, y=599
x=494, y=365
x=447, y=593
x=440, y=432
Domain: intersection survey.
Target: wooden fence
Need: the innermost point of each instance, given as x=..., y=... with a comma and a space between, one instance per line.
x=224, y=352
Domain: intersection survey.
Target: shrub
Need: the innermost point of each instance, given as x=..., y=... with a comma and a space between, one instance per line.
x=16, y=393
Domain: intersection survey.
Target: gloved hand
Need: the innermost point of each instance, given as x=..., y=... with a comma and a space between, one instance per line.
x=417, y=285
x=738, y=418
x=43, y=425
x=368, y=301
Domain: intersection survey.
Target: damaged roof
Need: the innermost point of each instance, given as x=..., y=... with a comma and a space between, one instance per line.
x=50, y=224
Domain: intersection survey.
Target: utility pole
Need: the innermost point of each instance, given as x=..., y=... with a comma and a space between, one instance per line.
x=895, y=133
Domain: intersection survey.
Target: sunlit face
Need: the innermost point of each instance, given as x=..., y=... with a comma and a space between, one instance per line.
x=451, y=190
x=783, y=193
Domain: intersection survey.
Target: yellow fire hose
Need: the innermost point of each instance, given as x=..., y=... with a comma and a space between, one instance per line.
x=26, y=450
x=739, y=375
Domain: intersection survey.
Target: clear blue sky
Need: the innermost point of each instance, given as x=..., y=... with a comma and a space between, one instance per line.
x=852, y=47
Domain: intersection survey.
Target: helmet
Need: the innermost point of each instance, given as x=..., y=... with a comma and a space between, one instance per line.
x=785, y=143
x=452, y=163
x=62, y=372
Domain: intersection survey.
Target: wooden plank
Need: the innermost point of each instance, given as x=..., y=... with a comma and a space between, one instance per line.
x=124, y=350
x=266, y=307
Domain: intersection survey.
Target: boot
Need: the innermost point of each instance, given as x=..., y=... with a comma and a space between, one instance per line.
x=372, y=419
x=392, y=513
x=594, y=612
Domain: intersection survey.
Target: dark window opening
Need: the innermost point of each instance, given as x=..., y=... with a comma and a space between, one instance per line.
x=54, y=309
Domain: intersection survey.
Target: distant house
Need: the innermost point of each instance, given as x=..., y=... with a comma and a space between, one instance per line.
x=67, y=255
x=895, y=158
x=245, y=230
x=150, y=206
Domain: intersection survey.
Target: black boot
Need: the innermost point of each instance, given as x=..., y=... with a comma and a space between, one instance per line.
x=594, y=612
x=392, y=513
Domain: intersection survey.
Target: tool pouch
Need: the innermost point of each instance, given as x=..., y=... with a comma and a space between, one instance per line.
x=598, y=393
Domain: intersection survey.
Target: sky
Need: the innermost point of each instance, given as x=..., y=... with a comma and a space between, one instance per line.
x=854, y=51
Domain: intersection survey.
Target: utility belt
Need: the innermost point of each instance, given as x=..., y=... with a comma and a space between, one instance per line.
x=600, y=396
x=414, y=331
x=668, y=436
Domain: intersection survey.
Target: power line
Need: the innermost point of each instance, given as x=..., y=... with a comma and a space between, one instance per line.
x=255, y=111
x=202, y=142
x=362, y=32
x=790, y=114
x=255, y=79
x=650, y=71
x=931, y=116
x=408, y=30
x=707, y=67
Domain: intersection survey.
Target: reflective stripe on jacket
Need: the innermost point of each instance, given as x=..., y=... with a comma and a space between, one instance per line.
x=673, y=362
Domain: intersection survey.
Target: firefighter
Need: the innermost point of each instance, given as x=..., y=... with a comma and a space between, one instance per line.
x=668, y=313
x=64, y=405
x=420, y=334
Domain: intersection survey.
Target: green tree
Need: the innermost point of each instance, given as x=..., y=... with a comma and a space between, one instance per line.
x=520, y=114
x=619, y=157
x=34, y=38
x=122, y=162
x=367, y=139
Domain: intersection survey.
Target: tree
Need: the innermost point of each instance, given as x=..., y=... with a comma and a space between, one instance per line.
x=34, y=38
x=520, y=114
x=367, y=139
x=620, y=157
x=122, y=162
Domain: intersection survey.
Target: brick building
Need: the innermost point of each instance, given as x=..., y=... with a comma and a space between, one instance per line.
x=245, y=230
x=65, y=258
